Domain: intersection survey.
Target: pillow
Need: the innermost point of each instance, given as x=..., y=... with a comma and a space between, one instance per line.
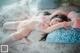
x=70, y=35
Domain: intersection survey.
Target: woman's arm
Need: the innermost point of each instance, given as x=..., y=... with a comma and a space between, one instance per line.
x=56, y=26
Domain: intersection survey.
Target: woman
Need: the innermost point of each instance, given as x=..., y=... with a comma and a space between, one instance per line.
x=66, y=39
x=69, y=35
x=24, y=29
x=58, y=21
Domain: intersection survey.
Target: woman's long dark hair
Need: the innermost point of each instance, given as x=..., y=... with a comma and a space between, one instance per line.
x=62, y=17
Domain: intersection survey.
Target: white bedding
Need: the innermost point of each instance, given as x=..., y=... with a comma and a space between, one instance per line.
x=40, y=47
x=43, y=47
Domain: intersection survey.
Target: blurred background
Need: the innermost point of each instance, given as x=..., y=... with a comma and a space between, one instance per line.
x=9, y=2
